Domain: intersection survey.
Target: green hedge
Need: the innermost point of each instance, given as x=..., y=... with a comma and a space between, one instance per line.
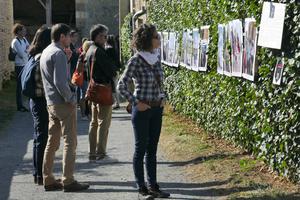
x=260, y=117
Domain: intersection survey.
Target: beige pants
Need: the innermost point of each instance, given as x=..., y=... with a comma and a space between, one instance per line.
x=62, y=122
x=98, y=133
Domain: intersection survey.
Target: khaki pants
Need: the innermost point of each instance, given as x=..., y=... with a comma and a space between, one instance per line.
x=98, y=133
x=62, y=122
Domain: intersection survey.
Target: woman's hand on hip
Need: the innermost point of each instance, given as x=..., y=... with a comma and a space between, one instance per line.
x=142, y=106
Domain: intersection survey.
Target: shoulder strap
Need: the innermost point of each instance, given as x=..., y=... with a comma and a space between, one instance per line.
x=92, y=63
x=19, y=40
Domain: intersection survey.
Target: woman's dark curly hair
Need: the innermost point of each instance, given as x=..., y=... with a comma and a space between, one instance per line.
x=142, y=37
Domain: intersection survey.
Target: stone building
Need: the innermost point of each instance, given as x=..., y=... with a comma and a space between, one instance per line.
x=89, y=12
x=80, y=14
x=6, y=23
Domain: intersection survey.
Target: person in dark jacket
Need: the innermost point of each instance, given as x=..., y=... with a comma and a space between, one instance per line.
x=38, y=105
x=103, y=72
x=112, y=50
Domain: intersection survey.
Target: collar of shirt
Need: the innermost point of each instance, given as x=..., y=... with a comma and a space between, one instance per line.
x=150, y=57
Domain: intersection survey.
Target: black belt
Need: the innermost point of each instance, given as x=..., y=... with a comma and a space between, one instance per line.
x=152, y=103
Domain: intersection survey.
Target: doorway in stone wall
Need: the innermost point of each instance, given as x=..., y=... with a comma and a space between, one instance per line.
x=32, y=14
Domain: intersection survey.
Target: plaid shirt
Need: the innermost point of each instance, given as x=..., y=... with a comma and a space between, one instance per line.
x=39, y=90
x=147, y=79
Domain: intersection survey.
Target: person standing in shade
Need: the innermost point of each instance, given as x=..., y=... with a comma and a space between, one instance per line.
x=104, y=70
x=38, y=104
x=112, y=50
x=20, y=46
x=148, y=99
x=61, y=101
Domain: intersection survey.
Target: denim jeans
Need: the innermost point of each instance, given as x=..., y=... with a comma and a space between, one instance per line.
x=38, y=109
x=19, y=99
x=147, y=127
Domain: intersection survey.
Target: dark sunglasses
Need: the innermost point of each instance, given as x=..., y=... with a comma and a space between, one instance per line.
x=156, y=37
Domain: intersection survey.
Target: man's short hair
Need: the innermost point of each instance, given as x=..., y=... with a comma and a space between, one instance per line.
x=96, y=29
x=59, y=29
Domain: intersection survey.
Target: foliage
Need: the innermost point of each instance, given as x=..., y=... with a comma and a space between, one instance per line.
x=260, y=117
x=125, y=38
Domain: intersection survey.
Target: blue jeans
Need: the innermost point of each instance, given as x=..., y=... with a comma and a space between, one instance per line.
x=147, y=127
x=38, y=108
x=19, y=99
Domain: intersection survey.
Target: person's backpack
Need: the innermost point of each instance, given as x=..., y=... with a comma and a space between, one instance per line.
x=11, y=53
x=28, y=83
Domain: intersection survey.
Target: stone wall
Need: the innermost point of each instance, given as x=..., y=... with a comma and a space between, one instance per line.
x=6, y=23
x=97, y=11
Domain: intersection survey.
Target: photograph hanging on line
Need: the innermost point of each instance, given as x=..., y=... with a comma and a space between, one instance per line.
x=204, y=42
x=165, y=46
x=177, y=50
x=161, y=44
x=227, y=51
x=221, y=47
x=189, y=49
x=171, y=50
x=250, y=39
x=183, y=48
x=277, y=77
x=271, y=25
x=196, y=50
x=236, y=40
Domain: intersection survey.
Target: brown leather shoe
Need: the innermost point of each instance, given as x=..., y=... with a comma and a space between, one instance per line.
x=75, y=186
x=54, y=186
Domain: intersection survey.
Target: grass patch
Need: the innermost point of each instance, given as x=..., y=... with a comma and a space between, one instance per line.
x=206, y=157
x=7, y=103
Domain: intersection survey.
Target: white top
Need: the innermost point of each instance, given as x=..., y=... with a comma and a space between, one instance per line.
x=150, y=57
x=20, y=46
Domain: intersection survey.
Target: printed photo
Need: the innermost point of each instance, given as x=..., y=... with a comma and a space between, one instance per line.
x=165, y=46
x=196, y=50
x=278, y=71
x=236, y=40
x=170, y=54
x=161, y=44
x=189, y=49
x=183, y=49
x=177, y=50
x=221, y=46
x=227, y=51
x=204, y=42
x=249, y=67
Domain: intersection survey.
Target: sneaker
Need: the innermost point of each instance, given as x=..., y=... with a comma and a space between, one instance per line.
x=39, y=181
x=157, y=193
x=101, y=156
x=144, y=194
x=75, y=186
x=54, y=186
x=116, y=107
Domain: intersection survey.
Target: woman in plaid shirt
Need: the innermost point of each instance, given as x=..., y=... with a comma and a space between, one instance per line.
x=144, y=70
